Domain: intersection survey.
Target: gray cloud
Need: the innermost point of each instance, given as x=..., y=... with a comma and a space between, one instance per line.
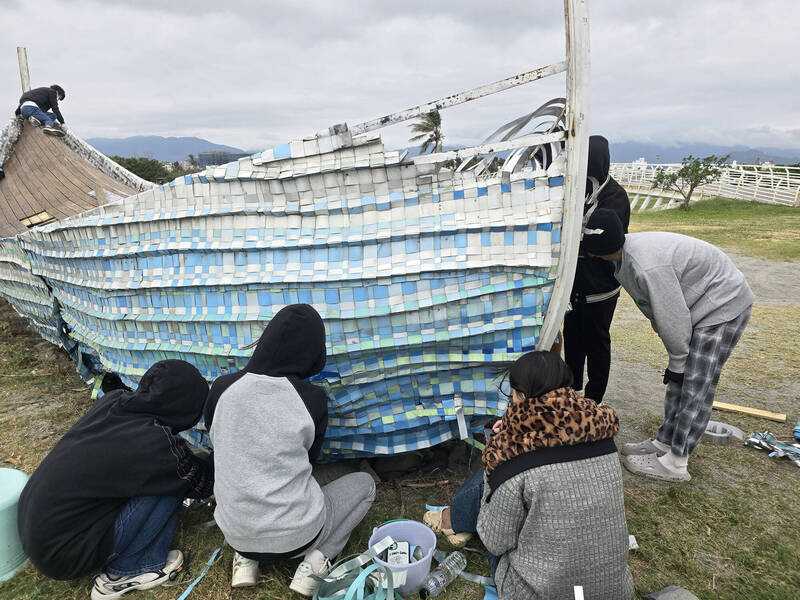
x=252, y=73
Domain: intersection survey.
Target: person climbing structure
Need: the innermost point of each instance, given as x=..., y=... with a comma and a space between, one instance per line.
x=35, y=105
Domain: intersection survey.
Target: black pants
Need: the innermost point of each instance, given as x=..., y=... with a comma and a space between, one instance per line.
x=587, y=339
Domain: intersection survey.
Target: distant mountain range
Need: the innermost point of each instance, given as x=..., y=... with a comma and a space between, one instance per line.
x=155, y=146
x=179, y=148
x=653, y=153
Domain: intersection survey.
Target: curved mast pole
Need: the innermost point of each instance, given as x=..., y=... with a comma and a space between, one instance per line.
x=576, y=15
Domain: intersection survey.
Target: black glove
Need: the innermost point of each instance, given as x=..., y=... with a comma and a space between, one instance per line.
x=672, y=376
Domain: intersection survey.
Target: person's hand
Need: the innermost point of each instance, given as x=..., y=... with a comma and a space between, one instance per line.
x=672, y=376
x=497, y=425
x=64, y=126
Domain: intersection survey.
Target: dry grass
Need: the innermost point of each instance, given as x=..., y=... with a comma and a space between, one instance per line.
x=732, y=532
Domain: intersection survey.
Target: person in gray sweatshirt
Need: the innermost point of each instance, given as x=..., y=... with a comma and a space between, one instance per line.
x=698, y=303
x=267, y=425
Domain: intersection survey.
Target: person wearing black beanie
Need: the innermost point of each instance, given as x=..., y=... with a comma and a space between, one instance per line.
x=698, y=303
x=603, y=236
x=587, y=340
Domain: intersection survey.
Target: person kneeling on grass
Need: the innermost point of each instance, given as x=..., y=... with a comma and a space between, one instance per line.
x=548, y=502
x=267, y=425
x=109, y=493
x=698, y=303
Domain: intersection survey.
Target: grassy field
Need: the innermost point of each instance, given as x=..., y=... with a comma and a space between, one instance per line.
x=731, y=532
x=752, y=228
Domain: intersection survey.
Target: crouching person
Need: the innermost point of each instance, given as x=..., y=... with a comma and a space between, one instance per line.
x=552, y=512
x=267, y=425
x=109, y=493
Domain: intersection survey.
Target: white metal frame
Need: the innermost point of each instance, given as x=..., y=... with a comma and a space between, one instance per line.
x=576, y=14
x=767, y=183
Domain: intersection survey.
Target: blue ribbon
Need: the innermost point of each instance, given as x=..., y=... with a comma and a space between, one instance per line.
x=209, y=564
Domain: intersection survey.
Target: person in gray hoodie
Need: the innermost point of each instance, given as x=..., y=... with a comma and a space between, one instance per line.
x=267, y=424
x=698, y=303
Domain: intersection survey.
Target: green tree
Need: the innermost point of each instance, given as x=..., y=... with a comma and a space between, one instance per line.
x=192, y=160
x=146, y=168
x=693, y=173
x=429, y=128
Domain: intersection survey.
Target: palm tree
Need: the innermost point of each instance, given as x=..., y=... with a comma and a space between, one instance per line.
x=429, y=128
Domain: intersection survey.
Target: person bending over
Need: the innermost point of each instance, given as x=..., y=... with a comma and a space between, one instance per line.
x=548, y=503
x=109, y=493
x=267, y=425
x=698, y=303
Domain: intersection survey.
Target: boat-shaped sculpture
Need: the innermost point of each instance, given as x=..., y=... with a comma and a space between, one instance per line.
x=427, y=275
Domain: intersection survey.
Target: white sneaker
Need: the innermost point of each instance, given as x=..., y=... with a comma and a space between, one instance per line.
x=105, y=588
x=245, y=571
x=34, y=121
x=304, y=582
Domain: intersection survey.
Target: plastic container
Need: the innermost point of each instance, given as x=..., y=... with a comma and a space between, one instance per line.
x=11, y=555
x=443, y=575
x=416, y=534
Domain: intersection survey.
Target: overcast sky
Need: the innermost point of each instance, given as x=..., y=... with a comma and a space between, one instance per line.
x=254, y=73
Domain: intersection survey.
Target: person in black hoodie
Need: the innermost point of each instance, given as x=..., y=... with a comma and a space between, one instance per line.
x=267, y=426
x=108, y=494
x=594, y=290
x=35, y=105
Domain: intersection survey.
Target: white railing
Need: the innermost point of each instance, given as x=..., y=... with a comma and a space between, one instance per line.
x=766, y=183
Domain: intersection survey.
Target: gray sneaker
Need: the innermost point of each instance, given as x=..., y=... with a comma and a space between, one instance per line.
x=649, y=466
x=640, y=449
x=55, y=131
x=34, y=121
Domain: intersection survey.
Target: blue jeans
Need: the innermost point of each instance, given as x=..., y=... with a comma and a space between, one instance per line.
x=465, y=506
x=46, y=118
x=142, y=535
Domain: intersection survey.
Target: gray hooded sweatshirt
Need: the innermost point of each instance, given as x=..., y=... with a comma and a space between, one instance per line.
x=267, y=426
x=680, y=283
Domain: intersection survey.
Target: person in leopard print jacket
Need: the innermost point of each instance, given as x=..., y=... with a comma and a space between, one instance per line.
x=548, y=503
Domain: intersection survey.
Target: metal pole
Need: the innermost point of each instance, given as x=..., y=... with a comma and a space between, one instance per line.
x=22, y=57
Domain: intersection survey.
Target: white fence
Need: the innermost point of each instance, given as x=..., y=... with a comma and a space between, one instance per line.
x=763, y=183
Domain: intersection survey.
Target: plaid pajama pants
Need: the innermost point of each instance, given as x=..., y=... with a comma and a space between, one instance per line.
x=687, y=407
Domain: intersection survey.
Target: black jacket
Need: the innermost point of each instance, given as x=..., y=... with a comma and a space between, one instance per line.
x=595, y=275
x=45, y=98
x=291, y=346
x=124, y=446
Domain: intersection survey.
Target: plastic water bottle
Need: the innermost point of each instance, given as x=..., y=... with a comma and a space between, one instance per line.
x=443, y=575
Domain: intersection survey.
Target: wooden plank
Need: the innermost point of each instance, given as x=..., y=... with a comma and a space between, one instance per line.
x=756, y=412
x=49, y=190
x=22, y=196
x=60, y=194
x=44, y=175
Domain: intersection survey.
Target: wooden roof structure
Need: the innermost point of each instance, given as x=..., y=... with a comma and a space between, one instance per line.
x=46, y=181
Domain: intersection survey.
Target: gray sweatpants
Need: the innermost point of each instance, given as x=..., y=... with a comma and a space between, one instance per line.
x=687, y=406
x=347, y=501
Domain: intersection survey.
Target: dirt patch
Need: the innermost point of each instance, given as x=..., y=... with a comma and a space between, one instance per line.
x=775, y=283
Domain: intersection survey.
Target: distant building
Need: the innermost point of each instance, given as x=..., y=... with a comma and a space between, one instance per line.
x=218, y=157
